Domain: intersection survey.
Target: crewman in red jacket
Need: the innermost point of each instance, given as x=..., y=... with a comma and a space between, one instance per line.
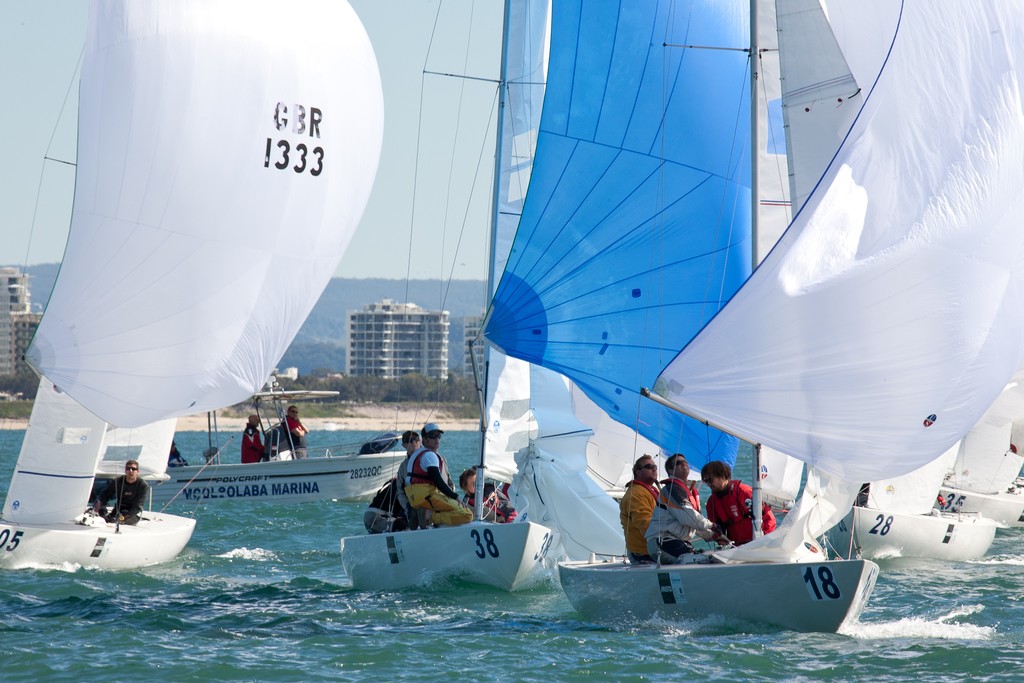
x=730, y=505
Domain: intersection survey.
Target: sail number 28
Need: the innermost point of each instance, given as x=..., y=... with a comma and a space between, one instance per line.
x=821, y=584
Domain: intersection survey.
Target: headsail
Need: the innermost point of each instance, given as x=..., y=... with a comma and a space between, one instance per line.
x=55, y=469
x=222, y=169
x=636, y=228
x=895, y=297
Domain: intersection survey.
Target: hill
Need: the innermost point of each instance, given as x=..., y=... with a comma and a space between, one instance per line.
x=318, y=343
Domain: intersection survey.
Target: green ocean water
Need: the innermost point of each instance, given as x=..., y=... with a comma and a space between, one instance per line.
x=259, y=594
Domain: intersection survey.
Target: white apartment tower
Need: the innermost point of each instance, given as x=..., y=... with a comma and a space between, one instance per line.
x=470, y=331
x=15, y=317
x=388, y=339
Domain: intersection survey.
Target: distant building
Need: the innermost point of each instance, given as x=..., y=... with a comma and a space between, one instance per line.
x=388, y=339
x=470, y=331
x=17, y=322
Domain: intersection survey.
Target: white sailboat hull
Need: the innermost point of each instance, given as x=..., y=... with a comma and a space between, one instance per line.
x=348, y=478
x=818, y=596
x=95, y=544
x=1004, y=507
x=940, y=536
x=502, y=555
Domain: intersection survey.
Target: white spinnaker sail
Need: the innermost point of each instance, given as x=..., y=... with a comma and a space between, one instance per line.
x=226, y=152
x=54, y=473
x=896, y=306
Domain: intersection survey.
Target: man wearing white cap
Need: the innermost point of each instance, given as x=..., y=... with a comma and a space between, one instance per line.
x=427, y=482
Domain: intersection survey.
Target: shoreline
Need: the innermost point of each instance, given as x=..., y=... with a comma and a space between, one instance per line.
x=367, y=418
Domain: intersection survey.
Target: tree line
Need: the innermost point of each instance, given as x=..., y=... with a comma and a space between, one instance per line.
x=411, y=388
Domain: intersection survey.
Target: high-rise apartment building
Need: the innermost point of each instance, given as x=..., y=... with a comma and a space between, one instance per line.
x=16, y=318
x=470, y=331
x=388, y=339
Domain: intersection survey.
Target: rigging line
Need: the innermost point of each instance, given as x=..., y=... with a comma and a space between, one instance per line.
x=451, y=172
x=706, y=47
x=476, y=176
x=46, y=156
x=415, y=186
x=427, y=72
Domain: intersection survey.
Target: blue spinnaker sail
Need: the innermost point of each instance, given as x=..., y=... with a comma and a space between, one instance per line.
x=636, y=227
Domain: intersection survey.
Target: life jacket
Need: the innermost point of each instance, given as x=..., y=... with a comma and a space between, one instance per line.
x=419, y=474
x=691, y=491
x=731, y=509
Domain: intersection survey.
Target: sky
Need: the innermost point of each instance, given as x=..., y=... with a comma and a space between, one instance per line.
x=429, y=212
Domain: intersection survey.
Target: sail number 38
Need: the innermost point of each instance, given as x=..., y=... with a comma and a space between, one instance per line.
x=821, y=584
x=485, y=544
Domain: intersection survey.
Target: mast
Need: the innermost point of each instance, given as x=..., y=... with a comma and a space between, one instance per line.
x=755, y=200
x=495, y=198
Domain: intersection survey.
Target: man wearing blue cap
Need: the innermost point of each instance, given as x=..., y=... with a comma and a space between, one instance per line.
x=427, y=483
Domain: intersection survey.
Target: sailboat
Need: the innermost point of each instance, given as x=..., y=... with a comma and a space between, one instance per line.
x=875, y=333
x=219, y=180
x=507, y=556
x=984, y=477
x=897, y=517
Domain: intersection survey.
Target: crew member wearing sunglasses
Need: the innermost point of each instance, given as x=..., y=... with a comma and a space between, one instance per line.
x=128, y=493
x=637, y=507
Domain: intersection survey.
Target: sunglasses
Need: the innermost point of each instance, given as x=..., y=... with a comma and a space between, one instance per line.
x=131, y=469
x=434, y=435
x=649, y=466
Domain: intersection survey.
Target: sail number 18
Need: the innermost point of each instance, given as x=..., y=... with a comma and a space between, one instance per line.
x=821, y=584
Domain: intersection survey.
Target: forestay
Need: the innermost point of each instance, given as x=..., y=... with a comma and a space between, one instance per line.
x=214, y=198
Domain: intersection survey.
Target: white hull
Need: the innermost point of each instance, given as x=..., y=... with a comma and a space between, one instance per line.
x=944, y=536
x=156, y=538
x=817, y=596
x=346, y=477
x=1003, y=507
x=500, y=555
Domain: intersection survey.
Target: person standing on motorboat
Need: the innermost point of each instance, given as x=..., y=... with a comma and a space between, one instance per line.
x=296, y=433
x=730, y=505
x=675, y=522
x=428, y=484
x=252, y=441
x=129, y=491
x=637, y=506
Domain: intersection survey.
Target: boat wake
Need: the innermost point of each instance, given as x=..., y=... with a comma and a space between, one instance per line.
x=258, y=554
x=944, y=627
x=1004, y=560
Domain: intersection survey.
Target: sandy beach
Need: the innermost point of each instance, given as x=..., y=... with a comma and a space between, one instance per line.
x=364, y=418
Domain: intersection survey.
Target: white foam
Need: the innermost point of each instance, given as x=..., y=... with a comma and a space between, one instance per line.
x=258, y=554
x=942, y=627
